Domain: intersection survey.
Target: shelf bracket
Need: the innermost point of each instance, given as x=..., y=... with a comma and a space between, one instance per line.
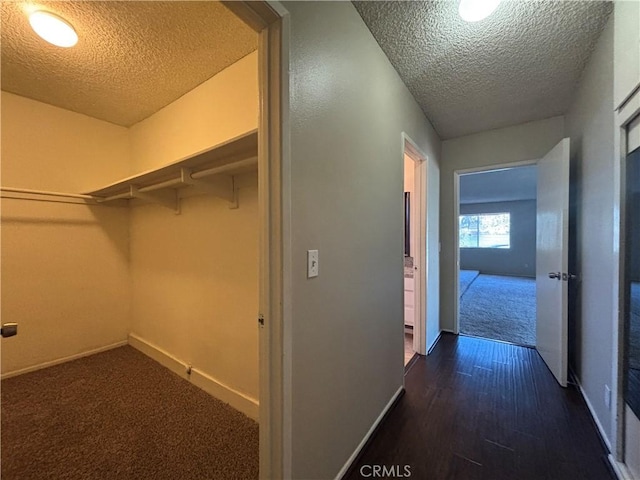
x=221, y=186
x=167, y=199
x=234, y=203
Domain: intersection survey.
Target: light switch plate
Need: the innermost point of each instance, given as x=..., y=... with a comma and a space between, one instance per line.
x=312, y=263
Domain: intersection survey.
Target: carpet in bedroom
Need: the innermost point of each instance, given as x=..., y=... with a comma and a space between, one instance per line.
x=466, y=279
x=500, y=308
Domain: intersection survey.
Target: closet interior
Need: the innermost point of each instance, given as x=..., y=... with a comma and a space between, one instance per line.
x=130, y=191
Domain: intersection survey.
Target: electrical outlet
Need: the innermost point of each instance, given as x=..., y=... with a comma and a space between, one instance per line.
x=607, y=396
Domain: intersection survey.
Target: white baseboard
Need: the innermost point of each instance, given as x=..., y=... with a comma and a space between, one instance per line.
x=58, y=361
x=603, y=434
x=364, y=441
x=159, y=355
x=435, y=342
x=215, y=388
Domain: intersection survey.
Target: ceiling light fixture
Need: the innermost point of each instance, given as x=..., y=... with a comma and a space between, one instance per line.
x=476, y=10
x=53, y=29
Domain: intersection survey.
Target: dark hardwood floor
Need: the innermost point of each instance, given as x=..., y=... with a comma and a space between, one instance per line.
x=481, y=410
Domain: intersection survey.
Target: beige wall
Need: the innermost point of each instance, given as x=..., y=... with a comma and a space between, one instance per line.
x=64, y=266
x=222, y=108
x=49, y=148
x=529, y=141
x=195, y=275
x=348, y=111
x=195, y=284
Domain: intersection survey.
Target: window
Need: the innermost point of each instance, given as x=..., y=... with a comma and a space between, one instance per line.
x=485, y=230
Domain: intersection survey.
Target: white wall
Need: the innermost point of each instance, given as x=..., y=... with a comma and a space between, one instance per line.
x=529, y=141
x=626, y=52
x=589, y=123
x=434, y=316
x=348, y=111
x=64, y=269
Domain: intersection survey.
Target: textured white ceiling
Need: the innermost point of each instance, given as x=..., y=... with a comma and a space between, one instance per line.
x=132, y=57
x=521, y=64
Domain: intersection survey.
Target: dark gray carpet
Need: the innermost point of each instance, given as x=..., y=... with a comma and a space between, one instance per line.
x=466, y=278
x=120, y=415
x=500, y=308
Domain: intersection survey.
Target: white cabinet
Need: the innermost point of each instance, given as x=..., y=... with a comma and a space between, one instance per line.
x=626, y=50
x=409, y=301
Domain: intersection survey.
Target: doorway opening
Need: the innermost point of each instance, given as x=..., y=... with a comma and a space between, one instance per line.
x=85, y=223
x=497, y=254
x=415, y=276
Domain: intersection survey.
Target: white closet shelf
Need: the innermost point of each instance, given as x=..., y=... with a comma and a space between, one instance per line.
x=209, y=171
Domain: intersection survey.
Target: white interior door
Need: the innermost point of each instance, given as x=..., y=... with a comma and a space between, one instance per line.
x=552, y=259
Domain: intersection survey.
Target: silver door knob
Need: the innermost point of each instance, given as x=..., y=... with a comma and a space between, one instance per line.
x=556, y=275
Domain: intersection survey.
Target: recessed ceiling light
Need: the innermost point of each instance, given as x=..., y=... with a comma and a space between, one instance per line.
x=476, y=10
x=53, y=29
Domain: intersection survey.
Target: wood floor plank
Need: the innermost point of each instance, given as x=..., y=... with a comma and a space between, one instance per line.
x=478, y=409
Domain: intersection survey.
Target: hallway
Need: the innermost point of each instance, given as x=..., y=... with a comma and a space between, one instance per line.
x=484, y=410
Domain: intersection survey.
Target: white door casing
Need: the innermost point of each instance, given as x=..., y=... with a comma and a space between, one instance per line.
x=418, y=161
x=412, y=260
x=552, y=242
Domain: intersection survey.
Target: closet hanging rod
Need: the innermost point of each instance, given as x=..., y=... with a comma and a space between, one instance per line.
x=158, y=186
x=224, y=168
x=46, y=193
x=127, y=195
x=201, y=174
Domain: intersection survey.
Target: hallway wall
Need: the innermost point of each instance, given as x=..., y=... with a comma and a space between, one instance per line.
x=348, y=111
x=590, y=124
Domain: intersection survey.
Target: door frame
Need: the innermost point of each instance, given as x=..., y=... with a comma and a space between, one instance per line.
x=456, y=223
x=624, y=115
x=419, y=213
x=271, y=21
